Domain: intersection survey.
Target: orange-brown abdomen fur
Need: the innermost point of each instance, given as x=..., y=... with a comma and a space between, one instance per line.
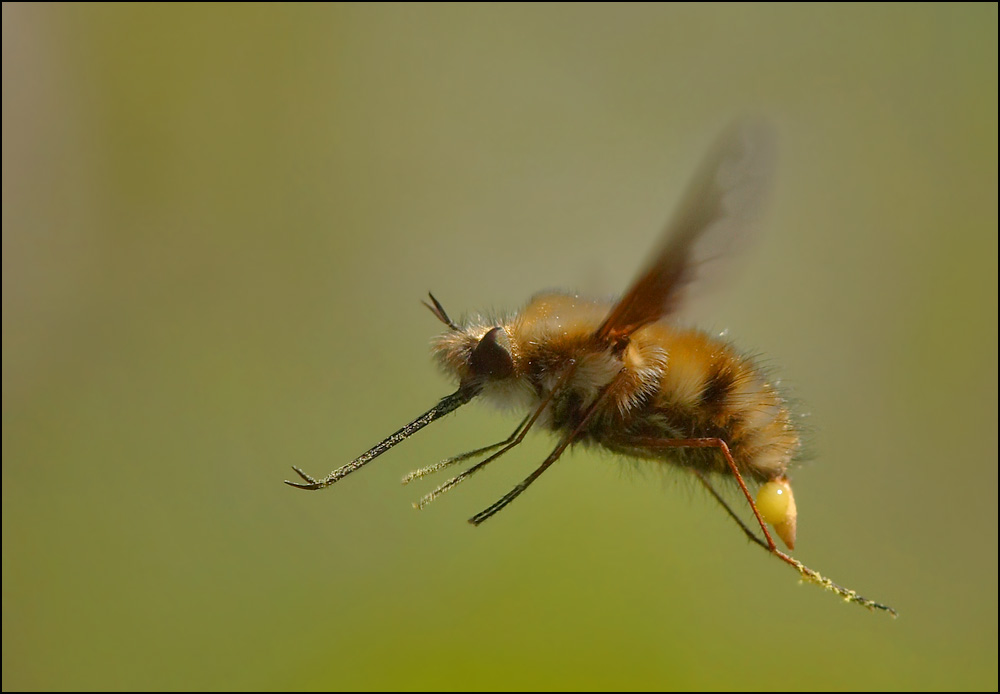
x=709, y=390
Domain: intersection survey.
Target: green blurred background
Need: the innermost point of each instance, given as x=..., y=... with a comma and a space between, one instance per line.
x=218, y=222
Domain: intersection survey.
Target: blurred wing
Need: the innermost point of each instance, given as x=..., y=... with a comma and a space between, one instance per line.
x=722, y=203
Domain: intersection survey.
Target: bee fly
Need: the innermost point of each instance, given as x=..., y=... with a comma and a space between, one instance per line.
x=624, y=377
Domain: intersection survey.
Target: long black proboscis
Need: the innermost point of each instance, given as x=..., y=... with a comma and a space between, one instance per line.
x=447, y=404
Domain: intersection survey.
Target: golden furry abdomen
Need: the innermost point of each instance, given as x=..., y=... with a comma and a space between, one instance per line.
x=705, y=389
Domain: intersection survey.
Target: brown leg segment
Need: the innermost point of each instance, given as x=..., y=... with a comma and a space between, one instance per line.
x=724, y=448
x=732, y=514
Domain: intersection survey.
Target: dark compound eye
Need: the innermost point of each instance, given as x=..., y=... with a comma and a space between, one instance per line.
x=491, y=357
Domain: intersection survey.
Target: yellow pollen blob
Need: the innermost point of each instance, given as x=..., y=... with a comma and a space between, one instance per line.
x=776, y=506
x=772, y=502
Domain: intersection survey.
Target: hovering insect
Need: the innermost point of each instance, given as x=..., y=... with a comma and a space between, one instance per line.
x=624, y=377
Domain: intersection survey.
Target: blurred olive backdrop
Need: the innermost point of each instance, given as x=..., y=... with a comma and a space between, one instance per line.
x=218, y=223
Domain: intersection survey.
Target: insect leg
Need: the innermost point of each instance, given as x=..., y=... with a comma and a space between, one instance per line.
x=448, y=462
x=553, y=456
x=732, y=514
x=808, y=574
x=724, y=449
x=514, y=439
x=516, y=491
